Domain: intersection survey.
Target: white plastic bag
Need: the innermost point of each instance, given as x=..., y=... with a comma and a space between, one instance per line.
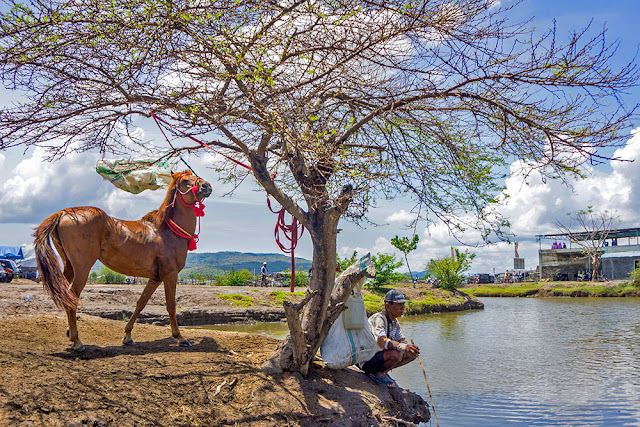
x=136, y=176
x=345, y=347
x=350, y=340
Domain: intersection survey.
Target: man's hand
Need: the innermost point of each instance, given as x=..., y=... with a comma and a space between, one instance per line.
x=412, y=350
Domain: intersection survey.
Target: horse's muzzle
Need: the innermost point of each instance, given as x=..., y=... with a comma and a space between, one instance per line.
x=204, y=190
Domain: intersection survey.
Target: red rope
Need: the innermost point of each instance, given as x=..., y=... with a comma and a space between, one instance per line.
x=290, y=231
x=198, y=211
x=193, y=238
x=158, y=119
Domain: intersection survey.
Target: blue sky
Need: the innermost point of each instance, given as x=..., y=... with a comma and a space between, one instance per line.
x=31, y=190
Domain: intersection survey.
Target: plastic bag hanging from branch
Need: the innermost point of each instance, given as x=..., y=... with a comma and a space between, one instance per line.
x=135, y=176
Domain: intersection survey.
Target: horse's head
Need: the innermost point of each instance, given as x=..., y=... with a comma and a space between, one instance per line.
x=192, y=188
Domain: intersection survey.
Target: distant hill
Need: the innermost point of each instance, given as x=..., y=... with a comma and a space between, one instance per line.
x=243, y=260
x=225, y=261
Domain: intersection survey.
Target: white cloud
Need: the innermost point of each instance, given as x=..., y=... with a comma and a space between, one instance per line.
x=533, y=207
x=400, y=217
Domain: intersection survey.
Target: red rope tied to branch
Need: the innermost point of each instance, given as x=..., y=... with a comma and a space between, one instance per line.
x=292, y=232
x=158, y=120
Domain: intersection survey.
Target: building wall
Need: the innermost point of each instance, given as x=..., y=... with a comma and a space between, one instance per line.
x=570, y=261
x=619, y=268
x=562, y=261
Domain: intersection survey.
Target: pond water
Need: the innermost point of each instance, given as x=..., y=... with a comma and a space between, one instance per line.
x=525, y=361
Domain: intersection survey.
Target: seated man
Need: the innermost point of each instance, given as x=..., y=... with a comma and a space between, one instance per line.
x=386, y=330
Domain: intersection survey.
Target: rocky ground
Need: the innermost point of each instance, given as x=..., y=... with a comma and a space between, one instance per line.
x=218, y=381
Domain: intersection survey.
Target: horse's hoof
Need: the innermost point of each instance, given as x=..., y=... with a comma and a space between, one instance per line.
x=79, y=349
x=185, y=343
x=130, y=342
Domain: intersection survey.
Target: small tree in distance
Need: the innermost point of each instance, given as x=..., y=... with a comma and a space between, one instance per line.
x=386, y=266
x=589, y=230
x=449, y=270
x=404, y=245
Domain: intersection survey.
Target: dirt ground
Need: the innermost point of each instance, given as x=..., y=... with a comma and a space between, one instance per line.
x=217, y=381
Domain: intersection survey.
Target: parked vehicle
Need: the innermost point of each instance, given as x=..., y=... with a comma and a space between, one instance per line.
x=11, y=269
x=484, y=278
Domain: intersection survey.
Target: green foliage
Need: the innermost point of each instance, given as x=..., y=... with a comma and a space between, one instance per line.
x=238, y=300
x=449, y=270
x=110, y=277
x=635, y=277
x=200, y=273
x=302, y=279
x=386, y=266
x=404, y=245
x=345, y=263
x=235, y=278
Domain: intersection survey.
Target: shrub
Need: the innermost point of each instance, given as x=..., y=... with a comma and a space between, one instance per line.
x=386, y=266
x=449, y=270
x=302, y=279
x=235, y=278
x=110, y=277
x=635, y=278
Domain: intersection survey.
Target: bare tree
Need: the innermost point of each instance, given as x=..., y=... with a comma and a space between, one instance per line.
x=589, y=230
x=347, y=101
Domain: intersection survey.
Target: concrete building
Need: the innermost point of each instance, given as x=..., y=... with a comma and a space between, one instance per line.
x=566, y=260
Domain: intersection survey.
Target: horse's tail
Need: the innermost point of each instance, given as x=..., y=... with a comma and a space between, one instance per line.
x=53, y=280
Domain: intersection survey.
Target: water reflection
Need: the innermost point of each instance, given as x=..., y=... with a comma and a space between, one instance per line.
x=526, y=361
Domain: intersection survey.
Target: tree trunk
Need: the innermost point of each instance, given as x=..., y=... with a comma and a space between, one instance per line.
x=320, y=308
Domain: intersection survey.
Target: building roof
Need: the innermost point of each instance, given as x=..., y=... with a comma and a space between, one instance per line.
x=620, y=254
x=618, y=233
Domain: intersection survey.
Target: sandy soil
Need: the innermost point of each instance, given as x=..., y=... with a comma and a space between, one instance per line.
x=218, y=381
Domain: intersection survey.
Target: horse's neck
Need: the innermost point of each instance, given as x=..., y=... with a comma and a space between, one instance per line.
x=184, y=217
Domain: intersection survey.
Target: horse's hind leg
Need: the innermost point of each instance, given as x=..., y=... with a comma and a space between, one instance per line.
x=77, y=285
x=148, y=291
x=77, y=281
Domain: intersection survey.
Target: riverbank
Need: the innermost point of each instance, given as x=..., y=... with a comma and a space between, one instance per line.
x=211, y=305
x=555, y=289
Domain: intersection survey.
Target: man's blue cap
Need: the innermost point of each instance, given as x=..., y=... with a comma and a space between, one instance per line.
x=395, y=295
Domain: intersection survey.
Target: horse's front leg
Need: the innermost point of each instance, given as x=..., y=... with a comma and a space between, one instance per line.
x=170, y=295
x=148, y=291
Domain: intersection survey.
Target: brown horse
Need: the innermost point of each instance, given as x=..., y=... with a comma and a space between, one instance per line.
x=154, y=247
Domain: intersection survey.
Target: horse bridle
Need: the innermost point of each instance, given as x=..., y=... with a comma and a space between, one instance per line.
x=198, y=210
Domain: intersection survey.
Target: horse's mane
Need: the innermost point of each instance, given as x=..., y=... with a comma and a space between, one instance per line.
x=158, y=216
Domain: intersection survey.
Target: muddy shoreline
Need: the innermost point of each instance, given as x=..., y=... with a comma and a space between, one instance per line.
x=195, y=304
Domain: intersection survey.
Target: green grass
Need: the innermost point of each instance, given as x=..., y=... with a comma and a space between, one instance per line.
x=555, y=289
x=238, y=300
x=621, y=290
x=504, y=291
x=282, y=296
x=374, y=302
